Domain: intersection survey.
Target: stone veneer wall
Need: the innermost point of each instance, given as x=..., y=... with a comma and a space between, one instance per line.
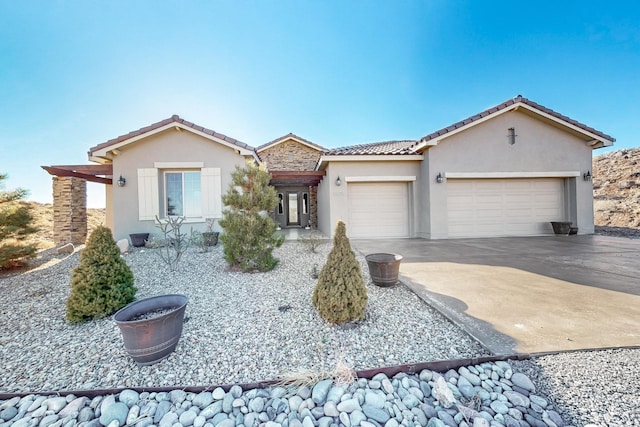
x=290, y=156
x=69, y=210
x=313, y=206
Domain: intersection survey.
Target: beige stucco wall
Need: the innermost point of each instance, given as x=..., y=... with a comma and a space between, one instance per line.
x=108, y=190
x=168, y=146
x=540, y=147
x=333, y=200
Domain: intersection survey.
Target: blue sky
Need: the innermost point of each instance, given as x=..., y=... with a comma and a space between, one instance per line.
x=74, y=74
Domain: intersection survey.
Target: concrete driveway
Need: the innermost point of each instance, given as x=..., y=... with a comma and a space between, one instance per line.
x=528, y=295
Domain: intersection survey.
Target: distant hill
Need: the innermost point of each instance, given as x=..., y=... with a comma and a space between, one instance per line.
x=43, y=220
x=616, y=192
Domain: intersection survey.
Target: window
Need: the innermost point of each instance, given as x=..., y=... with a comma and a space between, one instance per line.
x=280, y=204
x=183, y=194
x=305, y=203
x=179, y=188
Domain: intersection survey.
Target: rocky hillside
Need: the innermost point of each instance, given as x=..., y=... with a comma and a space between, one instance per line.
x=616, y=192
x=43, y=221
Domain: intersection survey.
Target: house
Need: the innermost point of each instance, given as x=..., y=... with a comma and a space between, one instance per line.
x=507, y=171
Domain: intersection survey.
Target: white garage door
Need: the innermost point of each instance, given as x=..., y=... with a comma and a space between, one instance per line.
x=504, y=207
x=378, y=210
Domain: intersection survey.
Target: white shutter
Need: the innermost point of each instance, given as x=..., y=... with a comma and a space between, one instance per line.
x=211, y=192
x=148, y=196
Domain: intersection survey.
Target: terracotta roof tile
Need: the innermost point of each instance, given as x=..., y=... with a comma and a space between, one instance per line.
x=507, y=104
x=376, y=148
x=173, y=119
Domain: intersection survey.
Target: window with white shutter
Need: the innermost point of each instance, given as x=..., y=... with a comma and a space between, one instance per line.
x=148, y=206
x=211, y=192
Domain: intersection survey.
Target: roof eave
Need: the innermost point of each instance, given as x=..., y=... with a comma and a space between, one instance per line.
x=286, y=138
x=104, y=152
x=431, y=142
x=324, y=160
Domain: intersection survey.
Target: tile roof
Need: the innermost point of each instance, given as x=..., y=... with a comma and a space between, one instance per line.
x=173, y=119
x=376, y=148
x=287, y=136
x=507, y=104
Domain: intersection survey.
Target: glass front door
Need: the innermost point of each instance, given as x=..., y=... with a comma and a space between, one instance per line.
x=293, y=218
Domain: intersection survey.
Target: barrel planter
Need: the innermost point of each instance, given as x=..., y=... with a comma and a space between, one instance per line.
x=138, y=239
x=384, y=268
x=561, y=227
x=210, y=238
x=151, y=327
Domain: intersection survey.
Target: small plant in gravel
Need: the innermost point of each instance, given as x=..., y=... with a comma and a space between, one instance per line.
x=250, y=236
x=197, y=239
x=102, y=283
x=340, y=295
x=314, y=272
x=175, y=242
x=312, y=241
x=342, y=374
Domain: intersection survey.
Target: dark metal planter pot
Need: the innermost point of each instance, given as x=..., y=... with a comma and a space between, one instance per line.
x=138, y=239
x=150, y=340
x=210, y=238
x=384, y=268
x=561, y=227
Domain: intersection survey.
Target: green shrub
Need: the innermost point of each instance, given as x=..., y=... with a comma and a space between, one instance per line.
x=249, y=233
x=15, y=226
x=102, y=283
x=340, y=295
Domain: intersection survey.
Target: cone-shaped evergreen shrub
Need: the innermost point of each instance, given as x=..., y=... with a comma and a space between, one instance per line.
x=249, y=236
x=102, y=283
x=340, y=295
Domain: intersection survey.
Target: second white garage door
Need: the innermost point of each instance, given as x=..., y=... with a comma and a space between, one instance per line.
x=377, y=210
x=503, y=207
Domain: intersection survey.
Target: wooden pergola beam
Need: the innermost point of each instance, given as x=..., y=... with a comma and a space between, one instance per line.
x=87, y=172
x=312, y=178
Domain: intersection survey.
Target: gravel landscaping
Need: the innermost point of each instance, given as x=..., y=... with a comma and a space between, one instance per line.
x=244, y=328
x=240, y=327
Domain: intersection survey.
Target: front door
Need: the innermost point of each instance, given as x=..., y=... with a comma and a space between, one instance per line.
x=293, y=207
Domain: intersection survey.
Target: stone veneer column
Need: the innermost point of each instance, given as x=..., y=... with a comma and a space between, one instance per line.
x=69, y=210
x=313, y=206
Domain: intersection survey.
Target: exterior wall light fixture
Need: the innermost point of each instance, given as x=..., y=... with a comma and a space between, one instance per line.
x=587, y=176
x=122, y=181
x=440, y=178
x=338, y=181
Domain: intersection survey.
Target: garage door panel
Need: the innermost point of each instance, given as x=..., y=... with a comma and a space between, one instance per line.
x=378, y=210
x=503, y=207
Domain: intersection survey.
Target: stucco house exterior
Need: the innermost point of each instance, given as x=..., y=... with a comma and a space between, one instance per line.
x=507, y=171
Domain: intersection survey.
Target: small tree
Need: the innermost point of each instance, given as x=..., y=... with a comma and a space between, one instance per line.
x=15, y=226
x=340, y=295
x=102, y=283
x=249, y=236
